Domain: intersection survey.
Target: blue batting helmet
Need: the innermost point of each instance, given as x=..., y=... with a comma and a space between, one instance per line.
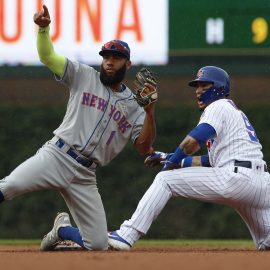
x=220, y=80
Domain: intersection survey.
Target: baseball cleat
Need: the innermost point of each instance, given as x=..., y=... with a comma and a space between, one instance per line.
x=265, y=245
x=51, y=239
x=116, y=242
x=66, y=245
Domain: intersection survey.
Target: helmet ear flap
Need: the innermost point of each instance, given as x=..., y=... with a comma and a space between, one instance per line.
x=213, y=93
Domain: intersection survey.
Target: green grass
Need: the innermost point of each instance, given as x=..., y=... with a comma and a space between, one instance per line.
x=238, y=244
x=196, y=243
x=19, y=242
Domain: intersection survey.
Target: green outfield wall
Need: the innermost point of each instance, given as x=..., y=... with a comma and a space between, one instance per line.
x=121, y=184
x=229, y=34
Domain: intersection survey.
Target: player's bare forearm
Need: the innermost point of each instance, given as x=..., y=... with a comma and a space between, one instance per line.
x=189, y=145
x=196, y=161
x=147, y=136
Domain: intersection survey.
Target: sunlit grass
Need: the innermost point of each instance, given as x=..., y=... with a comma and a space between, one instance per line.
x=196, y=243
x=236, y=244
x=18, y=242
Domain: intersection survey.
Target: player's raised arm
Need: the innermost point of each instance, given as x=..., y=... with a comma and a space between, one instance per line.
x=146, y=95
x=56, y=63
x=148, y=133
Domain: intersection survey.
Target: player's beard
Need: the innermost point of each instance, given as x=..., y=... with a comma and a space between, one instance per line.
x=109, y=80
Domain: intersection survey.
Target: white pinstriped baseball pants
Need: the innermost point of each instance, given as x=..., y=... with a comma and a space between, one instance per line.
x=247, y=191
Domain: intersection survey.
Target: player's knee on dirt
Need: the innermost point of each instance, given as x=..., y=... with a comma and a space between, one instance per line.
x=97, y=242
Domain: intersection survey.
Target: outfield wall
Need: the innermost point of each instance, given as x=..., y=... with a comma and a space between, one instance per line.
x=122, y=183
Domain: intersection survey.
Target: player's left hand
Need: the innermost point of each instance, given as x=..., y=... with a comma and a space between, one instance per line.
x=156, y=158
x=149, y=88
x=42, y=18
x=146, y=87
x=169, y=165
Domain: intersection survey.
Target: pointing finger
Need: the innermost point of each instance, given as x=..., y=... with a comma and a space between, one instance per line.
x=46, y=11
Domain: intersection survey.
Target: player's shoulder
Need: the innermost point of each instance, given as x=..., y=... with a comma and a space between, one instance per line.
x=81, y=66
x=221, y=104
x=220, y=107
x=88, y=68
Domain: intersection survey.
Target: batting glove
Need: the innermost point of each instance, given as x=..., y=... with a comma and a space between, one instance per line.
x=169, y=165
x=156, y=158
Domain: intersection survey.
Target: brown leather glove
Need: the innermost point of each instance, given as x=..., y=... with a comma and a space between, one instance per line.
x=145, y=87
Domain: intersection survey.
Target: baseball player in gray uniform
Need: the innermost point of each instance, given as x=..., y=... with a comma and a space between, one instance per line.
x=233, y=173
x=101, y=118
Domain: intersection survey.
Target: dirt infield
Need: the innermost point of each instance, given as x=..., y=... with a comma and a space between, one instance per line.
x=29, y=257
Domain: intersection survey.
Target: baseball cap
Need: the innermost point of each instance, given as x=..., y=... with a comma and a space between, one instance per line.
x=116, y=45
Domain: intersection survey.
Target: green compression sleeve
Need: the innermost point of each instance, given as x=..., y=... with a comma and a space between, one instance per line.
x=56, y=63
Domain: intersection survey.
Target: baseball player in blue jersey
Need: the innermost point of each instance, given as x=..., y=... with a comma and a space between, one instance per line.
x=101, y=117
x=233, y=173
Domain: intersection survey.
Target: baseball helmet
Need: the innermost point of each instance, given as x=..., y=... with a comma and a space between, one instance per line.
x=117, y=46
x=220, y=80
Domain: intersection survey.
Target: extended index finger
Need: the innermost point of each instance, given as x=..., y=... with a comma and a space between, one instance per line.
x=46, y=11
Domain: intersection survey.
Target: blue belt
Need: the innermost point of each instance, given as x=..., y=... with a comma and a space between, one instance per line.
x=82, y=160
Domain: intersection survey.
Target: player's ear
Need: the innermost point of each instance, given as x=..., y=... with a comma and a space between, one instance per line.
x=128, y=64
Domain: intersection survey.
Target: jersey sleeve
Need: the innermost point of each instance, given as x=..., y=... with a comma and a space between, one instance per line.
x=75, y=74
x=214, y=115
x=69, y=74
x=138, y=126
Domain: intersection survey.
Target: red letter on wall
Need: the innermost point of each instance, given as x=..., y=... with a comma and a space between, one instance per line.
x=135, y=27
x=94, y=17
x=17, y=17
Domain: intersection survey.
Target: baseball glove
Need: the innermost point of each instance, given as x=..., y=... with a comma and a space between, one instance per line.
x=145, y=87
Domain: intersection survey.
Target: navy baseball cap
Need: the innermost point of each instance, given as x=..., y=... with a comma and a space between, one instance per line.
x=116, y=45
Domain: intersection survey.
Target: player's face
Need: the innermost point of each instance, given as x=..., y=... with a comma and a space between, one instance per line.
x=113, y=69
x=200, y=89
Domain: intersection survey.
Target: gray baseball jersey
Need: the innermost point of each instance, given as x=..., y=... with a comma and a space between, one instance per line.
x=97, y=125
x=98, y=122
x=238, y=178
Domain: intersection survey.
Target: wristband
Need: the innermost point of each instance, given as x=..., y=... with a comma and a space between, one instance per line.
x=205, y=161
x=186, y=162
x=43, y=29
x=177, y=156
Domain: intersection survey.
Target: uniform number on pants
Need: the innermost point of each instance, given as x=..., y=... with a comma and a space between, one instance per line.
x=111, y=137
x=250, y=130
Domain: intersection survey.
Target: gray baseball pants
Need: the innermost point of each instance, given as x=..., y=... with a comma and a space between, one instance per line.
x=52, y=168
